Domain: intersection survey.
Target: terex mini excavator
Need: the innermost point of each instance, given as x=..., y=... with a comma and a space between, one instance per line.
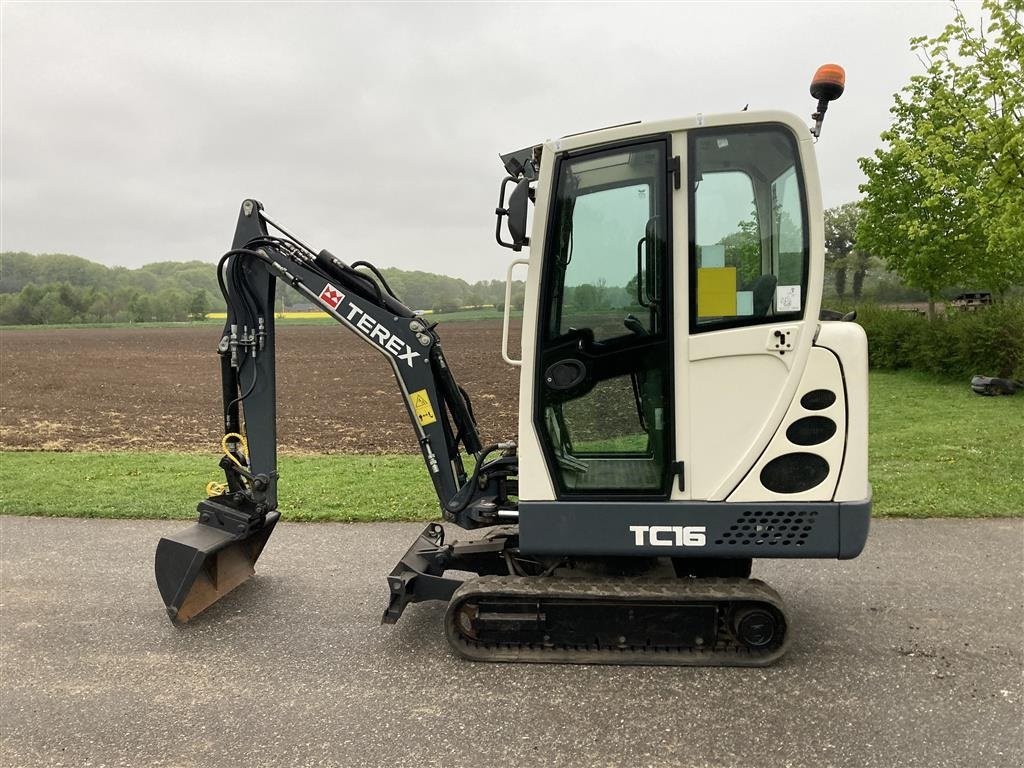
x=685, y=403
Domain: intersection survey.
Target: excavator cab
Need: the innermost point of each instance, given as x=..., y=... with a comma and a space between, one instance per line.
x=683, y=407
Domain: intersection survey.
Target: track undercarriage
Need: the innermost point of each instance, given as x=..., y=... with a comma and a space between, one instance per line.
x=573, y=610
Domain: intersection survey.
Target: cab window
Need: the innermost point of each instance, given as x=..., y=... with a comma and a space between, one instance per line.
x=748, y=228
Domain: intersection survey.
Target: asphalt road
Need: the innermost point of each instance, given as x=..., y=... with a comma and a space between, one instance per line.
x=909, y=656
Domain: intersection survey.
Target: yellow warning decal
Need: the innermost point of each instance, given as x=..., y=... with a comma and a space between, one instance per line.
x=421, y=404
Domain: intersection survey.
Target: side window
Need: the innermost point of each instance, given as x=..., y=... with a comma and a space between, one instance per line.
x=748, y=243
x=787, y=229
x=607, y=421
x=729, y=255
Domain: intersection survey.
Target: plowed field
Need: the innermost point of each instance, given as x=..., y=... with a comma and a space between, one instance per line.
x=159, y=388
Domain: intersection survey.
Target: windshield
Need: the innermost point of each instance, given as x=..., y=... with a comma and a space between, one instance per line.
x=607, y=212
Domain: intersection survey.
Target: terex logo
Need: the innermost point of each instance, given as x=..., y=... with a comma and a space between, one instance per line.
x=380, y=335
x=669, y=535
x=331, y=296
x=366, y=325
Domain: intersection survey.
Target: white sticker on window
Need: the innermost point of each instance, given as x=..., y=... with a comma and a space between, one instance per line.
x=787, y=298
x=712, y=255
x=744, y=303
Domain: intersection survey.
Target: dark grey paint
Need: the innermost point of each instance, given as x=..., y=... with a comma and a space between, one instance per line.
x=839, y=529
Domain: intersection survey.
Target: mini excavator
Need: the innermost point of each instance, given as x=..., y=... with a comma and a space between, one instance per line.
x=686, y=405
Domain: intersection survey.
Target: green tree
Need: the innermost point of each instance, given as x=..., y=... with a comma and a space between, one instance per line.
x=142, y=308
x=743, y=251
x=51, y=310
x=840, y=235
x=199, y=305
x=171, y=304
x=591, y=296
x=100, y=310
x=518, y=295
x=842, y=257
x=943, y=197
x=28, y=310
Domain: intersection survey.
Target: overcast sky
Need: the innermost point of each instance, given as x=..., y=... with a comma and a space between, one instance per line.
x=131, y=132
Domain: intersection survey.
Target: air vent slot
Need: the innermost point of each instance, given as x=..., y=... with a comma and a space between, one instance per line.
x=770, y=528
x=794, y=472
x=811, y=430
x=818, y=399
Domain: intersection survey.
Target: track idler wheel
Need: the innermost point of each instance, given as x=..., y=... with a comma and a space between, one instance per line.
x=755, y=627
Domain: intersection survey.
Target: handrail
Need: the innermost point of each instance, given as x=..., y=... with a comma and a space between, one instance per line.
x=508, y=308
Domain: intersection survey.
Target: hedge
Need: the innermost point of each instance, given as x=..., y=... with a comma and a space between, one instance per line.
x=987, y=341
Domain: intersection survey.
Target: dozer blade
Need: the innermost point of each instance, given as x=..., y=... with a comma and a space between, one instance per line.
x=687, y=622
x=197, y=567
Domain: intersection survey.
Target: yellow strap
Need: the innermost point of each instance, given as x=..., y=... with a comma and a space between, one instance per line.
x=213, y=488
x=228, y=452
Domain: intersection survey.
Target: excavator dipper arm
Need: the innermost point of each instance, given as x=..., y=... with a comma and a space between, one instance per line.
x=439, y=410
x=197, y=567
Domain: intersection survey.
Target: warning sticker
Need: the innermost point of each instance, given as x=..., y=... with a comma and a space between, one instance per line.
x=787, y=298
x=421, y=404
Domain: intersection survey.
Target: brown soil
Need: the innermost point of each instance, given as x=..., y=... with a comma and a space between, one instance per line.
x=159, y=389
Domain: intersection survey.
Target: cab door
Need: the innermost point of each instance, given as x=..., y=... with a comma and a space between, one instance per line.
x=603, y=374
x=753, y=294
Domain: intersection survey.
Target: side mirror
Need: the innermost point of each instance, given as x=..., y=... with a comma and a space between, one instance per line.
x=518, y=203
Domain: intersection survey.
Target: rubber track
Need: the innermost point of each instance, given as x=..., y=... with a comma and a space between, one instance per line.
x=726, y=651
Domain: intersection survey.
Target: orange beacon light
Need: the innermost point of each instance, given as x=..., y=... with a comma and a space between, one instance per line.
x=827, y=85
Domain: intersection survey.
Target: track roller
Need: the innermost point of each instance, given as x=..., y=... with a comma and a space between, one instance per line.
x=687, y=622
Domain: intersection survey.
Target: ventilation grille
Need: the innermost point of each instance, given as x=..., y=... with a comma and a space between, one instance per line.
x=770, y=529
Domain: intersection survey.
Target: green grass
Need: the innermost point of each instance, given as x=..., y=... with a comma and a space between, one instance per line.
x=168, y=485
x=937, y=450
x=482, y=313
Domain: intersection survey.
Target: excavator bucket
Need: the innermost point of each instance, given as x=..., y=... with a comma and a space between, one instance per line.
x=198, y=566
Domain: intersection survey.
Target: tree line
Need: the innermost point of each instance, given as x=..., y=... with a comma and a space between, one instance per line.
x=47, y=289
x=60, y=288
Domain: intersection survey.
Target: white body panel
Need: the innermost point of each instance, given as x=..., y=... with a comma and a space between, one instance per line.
x=850, y=344
x=534, y=482
x=734, y=392
x=822, y=373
